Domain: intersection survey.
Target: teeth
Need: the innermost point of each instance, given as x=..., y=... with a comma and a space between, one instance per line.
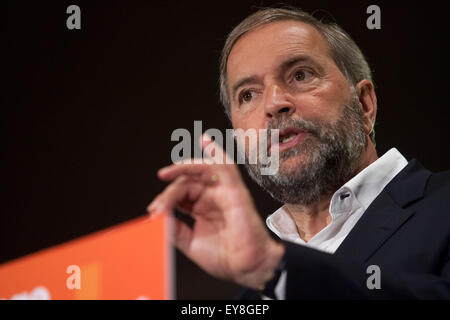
x=288, y=138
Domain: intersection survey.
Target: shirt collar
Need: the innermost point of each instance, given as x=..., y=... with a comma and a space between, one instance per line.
x=358, y=192
x=369, y=183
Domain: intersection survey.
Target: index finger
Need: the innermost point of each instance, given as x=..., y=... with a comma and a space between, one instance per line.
x=169, y=173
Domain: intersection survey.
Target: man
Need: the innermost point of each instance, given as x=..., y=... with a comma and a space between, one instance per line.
x=346, y=211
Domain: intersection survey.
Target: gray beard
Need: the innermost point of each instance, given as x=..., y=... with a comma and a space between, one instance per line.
x=334, y=153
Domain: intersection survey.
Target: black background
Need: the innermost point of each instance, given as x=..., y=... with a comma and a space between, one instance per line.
x=87, y=115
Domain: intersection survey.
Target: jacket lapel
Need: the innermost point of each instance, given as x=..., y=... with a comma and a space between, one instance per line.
x=386, y=214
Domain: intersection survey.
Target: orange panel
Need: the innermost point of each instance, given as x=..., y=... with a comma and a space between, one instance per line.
x=130, y=261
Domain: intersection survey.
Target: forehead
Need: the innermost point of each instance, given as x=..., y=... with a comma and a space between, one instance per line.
x=265, y=46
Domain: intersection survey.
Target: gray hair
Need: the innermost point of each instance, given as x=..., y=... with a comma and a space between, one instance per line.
x=344, y=51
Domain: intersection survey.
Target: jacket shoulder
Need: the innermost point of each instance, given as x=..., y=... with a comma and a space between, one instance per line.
x=439, y=182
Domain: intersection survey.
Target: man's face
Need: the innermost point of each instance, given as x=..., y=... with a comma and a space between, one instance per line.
x=282, y=76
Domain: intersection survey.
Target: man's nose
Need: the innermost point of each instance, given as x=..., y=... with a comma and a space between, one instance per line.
x=277, y=102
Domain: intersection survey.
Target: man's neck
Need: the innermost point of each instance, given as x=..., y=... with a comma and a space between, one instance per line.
x=310, y=219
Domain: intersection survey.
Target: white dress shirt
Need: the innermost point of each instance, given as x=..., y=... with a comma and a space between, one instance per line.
x=347, y=206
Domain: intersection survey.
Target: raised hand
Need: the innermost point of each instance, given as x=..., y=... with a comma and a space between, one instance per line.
x=228, y=239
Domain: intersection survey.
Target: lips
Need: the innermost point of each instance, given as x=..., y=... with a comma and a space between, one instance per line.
x=289, y=137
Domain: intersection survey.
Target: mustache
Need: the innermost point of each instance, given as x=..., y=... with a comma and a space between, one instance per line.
x=312, y=127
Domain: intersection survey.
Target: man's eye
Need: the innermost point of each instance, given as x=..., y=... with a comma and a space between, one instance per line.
x=301, y=75
x=246, y=96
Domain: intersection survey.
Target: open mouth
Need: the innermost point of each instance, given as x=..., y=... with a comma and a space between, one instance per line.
x=289, y=137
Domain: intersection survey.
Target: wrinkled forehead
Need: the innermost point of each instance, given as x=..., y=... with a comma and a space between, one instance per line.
x=263, y=48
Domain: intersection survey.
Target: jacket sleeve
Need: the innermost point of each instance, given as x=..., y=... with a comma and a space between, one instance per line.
x=312, y=274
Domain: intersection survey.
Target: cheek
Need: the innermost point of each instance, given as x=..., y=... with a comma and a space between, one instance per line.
x=317, y=108
x=321, y=103
x=247, y=121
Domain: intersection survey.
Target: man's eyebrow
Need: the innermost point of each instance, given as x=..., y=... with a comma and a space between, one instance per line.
x=290, y=62
x=243, y=82
x=285, y=65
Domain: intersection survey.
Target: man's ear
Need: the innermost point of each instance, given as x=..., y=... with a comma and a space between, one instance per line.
x=368, y=101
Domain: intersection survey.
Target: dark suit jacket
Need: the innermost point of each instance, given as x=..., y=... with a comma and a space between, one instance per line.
x=405, y=231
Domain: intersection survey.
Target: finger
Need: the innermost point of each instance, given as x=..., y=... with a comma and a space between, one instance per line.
x=180, y=191
x=211, y=150
x=201, y=172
